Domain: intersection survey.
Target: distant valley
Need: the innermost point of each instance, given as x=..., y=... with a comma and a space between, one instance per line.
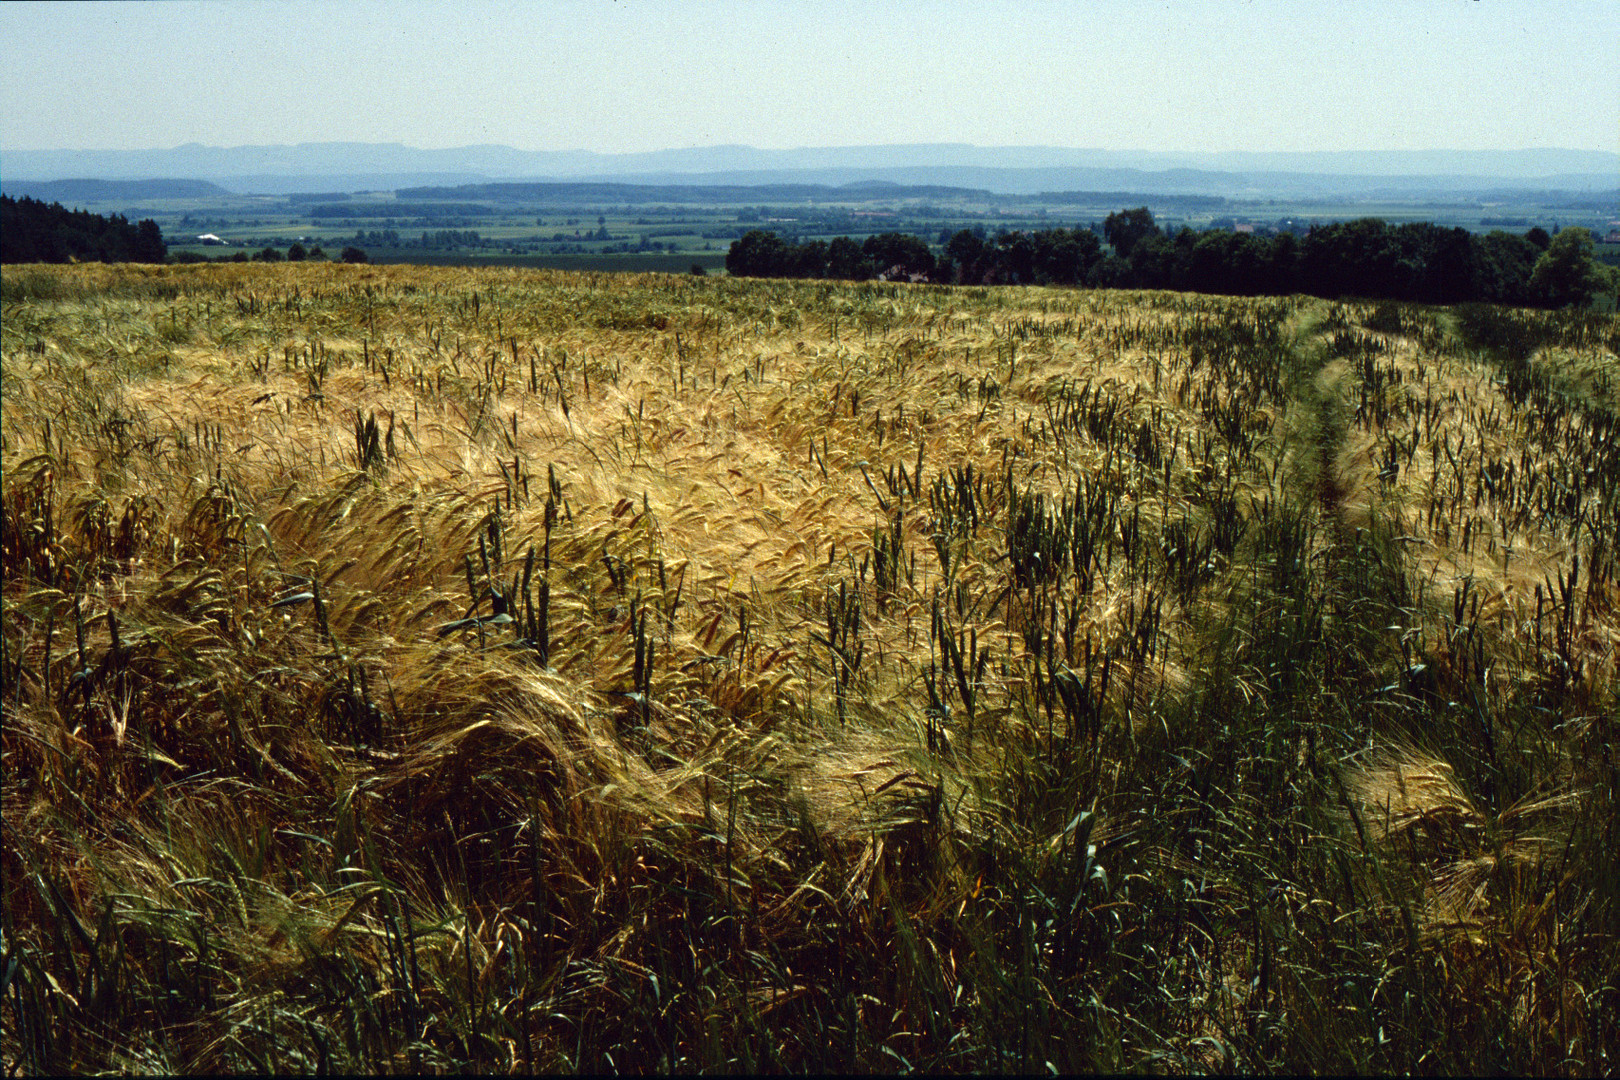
x=1029, y=170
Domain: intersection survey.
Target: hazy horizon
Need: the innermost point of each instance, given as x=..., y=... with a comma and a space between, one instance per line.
x=627, y=77
x=801, y=147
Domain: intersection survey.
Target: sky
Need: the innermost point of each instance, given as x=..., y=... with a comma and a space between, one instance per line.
x=618, y=76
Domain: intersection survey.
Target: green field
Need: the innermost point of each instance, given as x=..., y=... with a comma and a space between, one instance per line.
x=634, y=263
x=516, y=232
x=417, y=668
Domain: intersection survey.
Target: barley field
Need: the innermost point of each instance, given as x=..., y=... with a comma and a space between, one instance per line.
x=451, y=670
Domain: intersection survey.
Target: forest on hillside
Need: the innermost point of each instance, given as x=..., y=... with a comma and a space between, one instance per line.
x=35, y=232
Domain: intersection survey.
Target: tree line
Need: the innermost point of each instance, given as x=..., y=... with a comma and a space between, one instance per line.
x=35, y=232
x=295, y=253
x=1418, y=262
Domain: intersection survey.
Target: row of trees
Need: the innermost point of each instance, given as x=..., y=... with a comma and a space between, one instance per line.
x=1417, y=262
x=32, y=231
x=295, y=253
x=438, y=239
x=764, y=254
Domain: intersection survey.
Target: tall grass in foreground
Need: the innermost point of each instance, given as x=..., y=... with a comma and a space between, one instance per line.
x=447, y=670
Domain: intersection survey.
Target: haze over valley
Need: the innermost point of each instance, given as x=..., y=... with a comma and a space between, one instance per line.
x=1006, y=170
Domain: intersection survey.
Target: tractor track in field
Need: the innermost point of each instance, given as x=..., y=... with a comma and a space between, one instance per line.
x=1361, y=577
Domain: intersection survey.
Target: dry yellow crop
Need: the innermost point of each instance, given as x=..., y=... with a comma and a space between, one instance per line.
x=410, y=668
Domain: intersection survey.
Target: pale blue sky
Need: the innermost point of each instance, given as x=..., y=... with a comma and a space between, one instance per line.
x=632, y=75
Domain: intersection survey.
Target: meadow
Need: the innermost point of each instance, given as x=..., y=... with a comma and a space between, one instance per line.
x=445, y=669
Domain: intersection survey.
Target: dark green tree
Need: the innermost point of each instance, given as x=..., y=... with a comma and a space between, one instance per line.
x=1353, y=258
x=808, y=260
x=846, y=261
x=1127, y=228
x=1281, y=265
x=1211, y=264
x=149, y=246
x=1066, y=256
x=1155, y=263
x=968, y=252
x=898, y=252
x=1015, y=258
x=758, y=254
x=1506, y=262
x=1111, y=272
x=1442, y=266
x=1568, y=275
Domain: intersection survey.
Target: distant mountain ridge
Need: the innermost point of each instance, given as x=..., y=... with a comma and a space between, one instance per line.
x=1015, y=170
x=597, y=193
x=194, y=159
x=1237, y=185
